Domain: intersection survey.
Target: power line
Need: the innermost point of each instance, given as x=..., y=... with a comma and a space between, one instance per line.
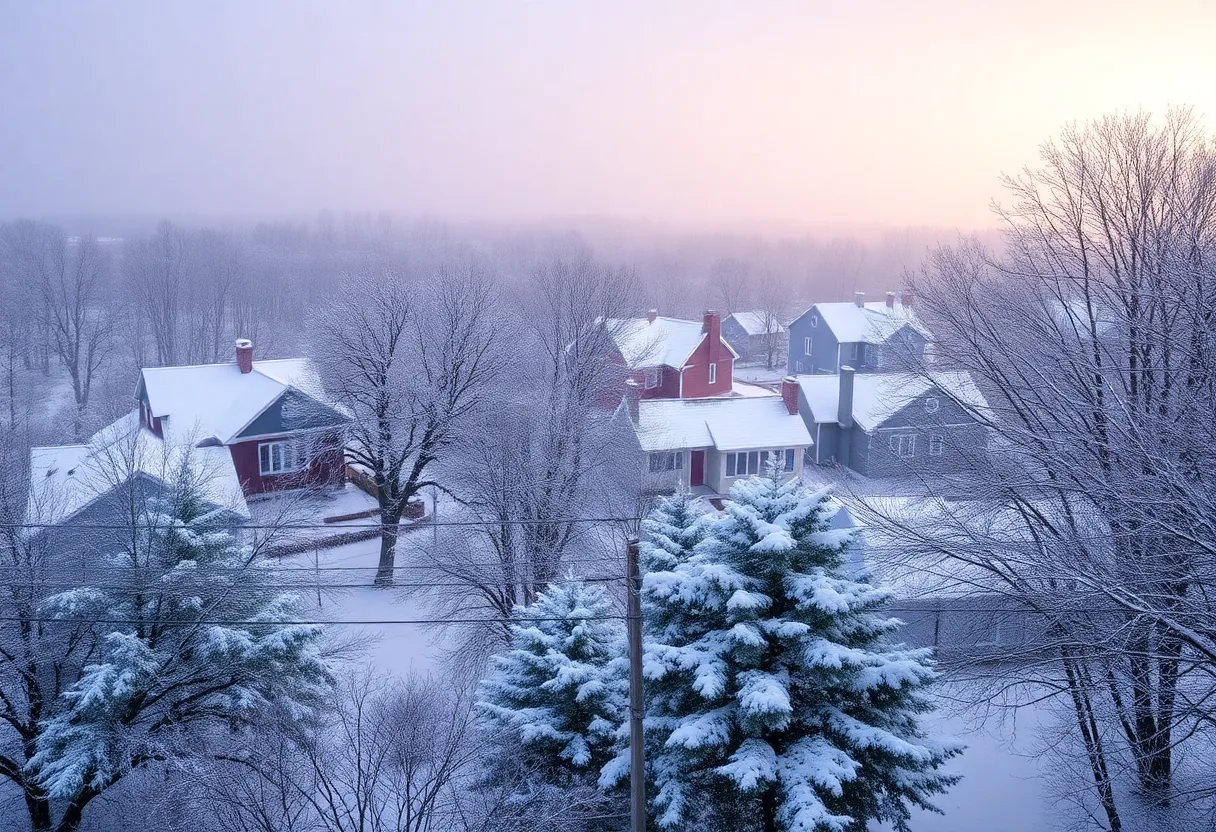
x=268, y=564
x=335, y=526
x=161, y=590
x=287, y=622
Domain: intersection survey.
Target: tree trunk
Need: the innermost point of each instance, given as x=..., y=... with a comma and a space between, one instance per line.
x=768, y=805
x=38, y=808
x=388, y=548
x=74, y=813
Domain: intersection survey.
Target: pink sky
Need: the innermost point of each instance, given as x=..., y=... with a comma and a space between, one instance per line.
x=878, y=111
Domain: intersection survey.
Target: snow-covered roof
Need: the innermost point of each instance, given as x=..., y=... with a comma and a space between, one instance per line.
x=755, y=322
x=874, y=323
x=728, y=424
x=218, y=400
x=667, y=342
x=879, y=396
x=66, y=479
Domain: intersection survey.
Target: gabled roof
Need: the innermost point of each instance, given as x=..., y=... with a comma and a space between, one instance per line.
x=667, y=342
x=66, y=479
x=874, y=323
x=728, y=424
x=756, y=322
x=879, y=396
x=219, y=401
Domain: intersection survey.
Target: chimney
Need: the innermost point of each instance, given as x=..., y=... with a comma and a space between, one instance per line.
x=713, y=328
x=859, y=298
x=651, y=315
x=905, y=298
x=632, y=391
x=244, y=355
x=890, y=300
x=789, y=394
x=844, y=417
x=844, y=409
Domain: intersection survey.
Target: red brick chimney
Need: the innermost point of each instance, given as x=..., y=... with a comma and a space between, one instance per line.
x=713, y=328
x=905, y=298
x=651, y=315
x=244, y=355
x=890, y=300
x=859, y=298
x=789, y=394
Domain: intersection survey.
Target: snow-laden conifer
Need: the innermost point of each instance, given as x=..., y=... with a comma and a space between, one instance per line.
x=560, y=692
x=774, y=691
x=194, y=642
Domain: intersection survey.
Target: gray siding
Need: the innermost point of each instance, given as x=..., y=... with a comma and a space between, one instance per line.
x=738, y=338
x=822, y=357
x=964, y=441
x=293, y=411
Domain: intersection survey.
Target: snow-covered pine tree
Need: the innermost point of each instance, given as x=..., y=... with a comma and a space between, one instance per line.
x=195, y=643
x=773, y=689
x=560, y=693
x=671, y=532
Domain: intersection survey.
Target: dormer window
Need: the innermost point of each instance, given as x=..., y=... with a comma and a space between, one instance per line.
x=932, y=404
x=713, y=373
x=653, y=378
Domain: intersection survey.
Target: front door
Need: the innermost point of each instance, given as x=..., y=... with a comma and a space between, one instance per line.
x=696, y=468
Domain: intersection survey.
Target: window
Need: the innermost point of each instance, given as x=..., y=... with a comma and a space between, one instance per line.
x=806, y=344
x=281, y=457
x=713, y=373
x=750, y=463
x=929, y=353
x=935, y=444
x=666, y=461
x=932, y=405
x=903, y=444
x=874, y=355
x=855, y=350
x=814, y=322
x=653, y=378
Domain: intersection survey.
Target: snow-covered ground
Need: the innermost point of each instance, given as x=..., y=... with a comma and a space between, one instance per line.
x=1003, y=788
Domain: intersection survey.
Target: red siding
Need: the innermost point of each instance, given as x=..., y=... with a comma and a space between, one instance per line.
x=327, y=468
x=669, y=385
x=696, y=373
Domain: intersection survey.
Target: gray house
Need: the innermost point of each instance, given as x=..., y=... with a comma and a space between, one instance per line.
x=756, y=335
x=888, y=424
x=869, y=337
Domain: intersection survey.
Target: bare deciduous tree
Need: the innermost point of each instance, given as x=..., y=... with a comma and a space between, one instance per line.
x=411, y=363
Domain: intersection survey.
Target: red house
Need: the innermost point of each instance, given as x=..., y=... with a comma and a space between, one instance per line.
x=671, y=358
x=271, y=416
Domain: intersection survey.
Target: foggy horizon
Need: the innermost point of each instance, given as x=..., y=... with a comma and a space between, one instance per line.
x=685, y=116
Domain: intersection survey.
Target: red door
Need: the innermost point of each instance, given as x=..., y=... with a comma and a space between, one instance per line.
x=696, y=468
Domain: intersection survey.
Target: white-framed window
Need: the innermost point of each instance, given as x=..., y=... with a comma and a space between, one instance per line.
x=666, y=461
x=855, y=351
x=903, y=444
x=713, y=373
x=750, y=463
x=929, y=353
x=936, y=443
x=814, y=322
x=281, y=457
x=652, y=378
x=806, y=345
x=932, y=404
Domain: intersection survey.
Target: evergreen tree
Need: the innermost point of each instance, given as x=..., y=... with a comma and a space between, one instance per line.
x=773, y=690
x=194, y=643
x=561, y=691
x=672, y=531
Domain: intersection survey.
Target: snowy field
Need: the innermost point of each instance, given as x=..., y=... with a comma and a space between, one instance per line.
x=1003, y=788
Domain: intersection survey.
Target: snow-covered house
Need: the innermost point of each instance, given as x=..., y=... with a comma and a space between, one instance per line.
x=756, y=335
x=246, y=427
x=707, y=444
x=884, y=424
x=672, y=358
x=869, y=337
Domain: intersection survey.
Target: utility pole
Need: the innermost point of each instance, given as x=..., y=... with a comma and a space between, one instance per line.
x=637, y=771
